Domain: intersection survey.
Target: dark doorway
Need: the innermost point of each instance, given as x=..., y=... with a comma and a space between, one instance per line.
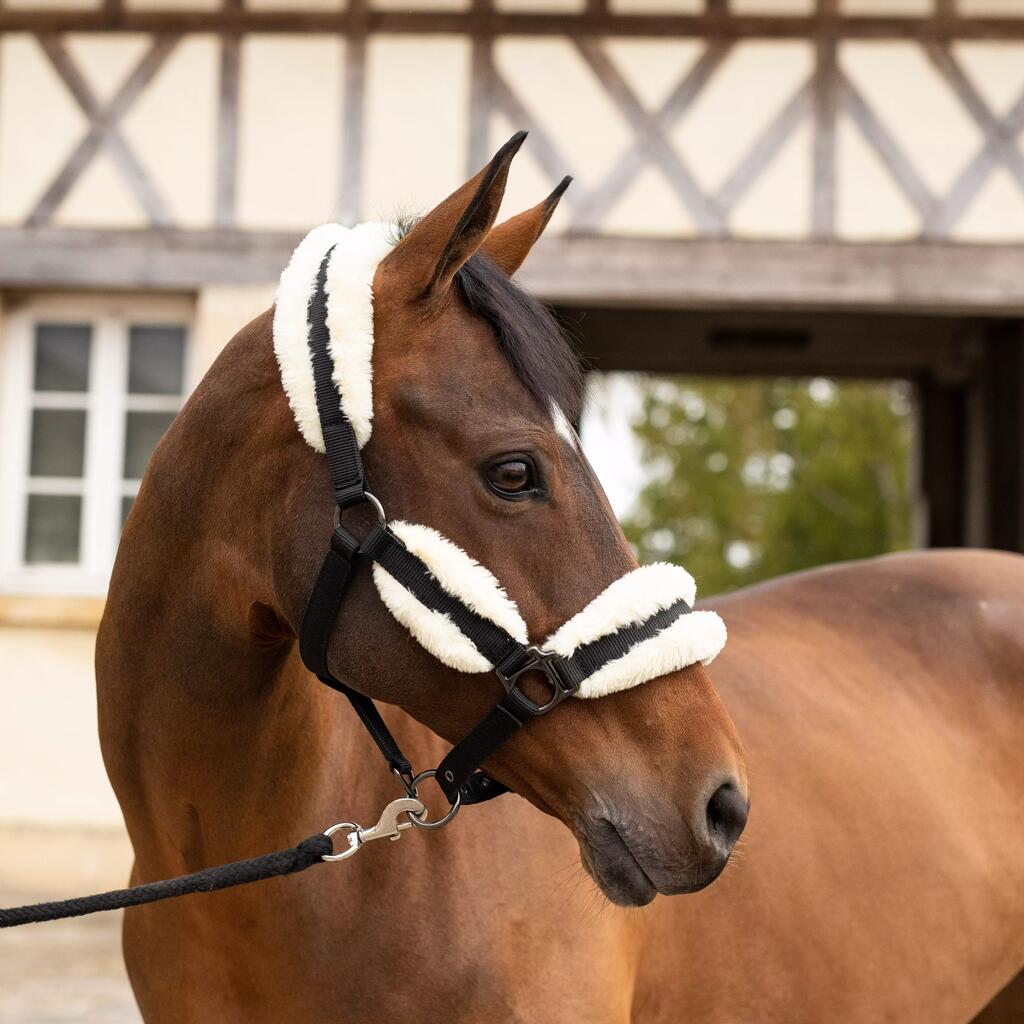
x=968, y=373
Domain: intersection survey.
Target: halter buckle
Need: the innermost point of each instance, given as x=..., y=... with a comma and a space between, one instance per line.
x=533, y=659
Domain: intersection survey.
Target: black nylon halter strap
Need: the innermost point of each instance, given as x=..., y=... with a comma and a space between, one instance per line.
x=388, y=551
x=588, y=658
x=340, y=444
x=346, y=469
x=349, y=484
x=459, y=774
x=566, y=675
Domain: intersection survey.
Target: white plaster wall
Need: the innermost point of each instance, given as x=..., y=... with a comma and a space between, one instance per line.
x=416, y=104
x=50, y=765
x=292, y=106
x=51, y=771
x=220, y=313
x=38, y=124
x=290, y=114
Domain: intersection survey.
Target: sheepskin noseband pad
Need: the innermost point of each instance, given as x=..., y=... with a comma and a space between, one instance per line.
x=640, y=627
x=645, y=620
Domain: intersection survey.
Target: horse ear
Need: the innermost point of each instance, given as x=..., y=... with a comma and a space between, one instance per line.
x=429, y=256
x=509, y=244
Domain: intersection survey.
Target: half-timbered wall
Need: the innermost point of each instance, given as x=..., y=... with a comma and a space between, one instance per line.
x=201, y=136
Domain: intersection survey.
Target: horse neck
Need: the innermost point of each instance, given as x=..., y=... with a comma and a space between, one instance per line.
x=200, y=723
x=205, y=715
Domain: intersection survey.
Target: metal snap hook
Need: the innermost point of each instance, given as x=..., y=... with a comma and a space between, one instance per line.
x=388, y=826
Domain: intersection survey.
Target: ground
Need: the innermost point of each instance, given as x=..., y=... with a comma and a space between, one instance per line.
x=68, y=970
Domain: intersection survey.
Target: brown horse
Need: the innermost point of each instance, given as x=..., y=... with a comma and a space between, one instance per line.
x=882, y=706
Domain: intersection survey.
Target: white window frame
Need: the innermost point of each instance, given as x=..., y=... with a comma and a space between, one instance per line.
x=106, y=403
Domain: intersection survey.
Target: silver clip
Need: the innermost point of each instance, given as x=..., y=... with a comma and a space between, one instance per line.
x=388, y=826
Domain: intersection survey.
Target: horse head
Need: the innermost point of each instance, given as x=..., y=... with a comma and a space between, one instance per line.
x=467, y=433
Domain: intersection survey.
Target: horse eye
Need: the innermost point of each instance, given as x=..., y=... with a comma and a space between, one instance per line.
x=513, y=478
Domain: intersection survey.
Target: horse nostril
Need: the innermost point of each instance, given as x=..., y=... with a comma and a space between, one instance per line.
x=727, y=814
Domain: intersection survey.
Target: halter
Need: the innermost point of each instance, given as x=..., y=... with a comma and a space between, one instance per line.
x=642, y=626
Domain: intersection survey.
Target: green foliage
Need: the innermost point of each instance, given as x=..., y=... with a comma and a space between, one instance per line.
x=752, y=478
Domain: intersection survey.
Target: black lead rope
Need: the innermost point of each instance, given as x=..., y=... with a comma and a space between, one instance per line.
x=271, y=865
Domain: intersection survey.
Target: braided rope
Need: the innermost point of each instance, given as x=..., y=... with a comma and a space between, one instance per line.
x=240, y=872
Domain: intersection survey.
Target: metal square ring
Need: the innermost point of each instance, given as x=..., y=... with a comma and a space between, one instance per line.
x=538, y=660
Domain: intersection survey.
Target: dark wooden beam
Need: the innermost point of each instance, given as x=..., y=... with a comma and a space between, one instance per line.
x=160, y=260
x=765, y=148
x=481, y=89
x=825, y=103
x=1003, y=141
x=227, y=132
x=594, y=204
x=592, y=21
x=585, y=270
x=976, y=172
x=942, y=431
x=889, y=151
x=1005, y=406
x=353, y=127
x=772, y=343
x=650, y=138
x=542, y=146
x=781, y=275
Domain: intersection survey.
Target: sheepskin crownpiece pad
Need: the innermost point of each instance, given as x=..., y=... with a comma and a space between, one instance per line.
x=355, y=253
x=633, y=600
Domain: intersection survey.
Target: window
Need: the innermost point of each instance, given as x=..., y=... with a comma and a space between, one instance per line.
x=89, y=388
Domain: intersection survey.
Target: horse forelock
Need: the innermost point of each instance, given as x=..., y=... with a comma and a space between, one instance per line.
x=528, y=333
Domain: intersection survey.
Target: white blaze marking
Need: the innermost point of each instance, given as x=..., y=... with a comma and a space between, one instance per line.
x=563, y=427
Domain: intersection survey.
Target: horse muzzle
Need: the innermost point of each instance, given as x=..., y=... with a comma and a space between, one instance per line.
x=634, y=856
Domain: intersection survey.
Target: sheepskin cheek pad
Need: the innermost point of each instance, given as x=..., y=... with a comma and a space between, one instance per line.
x=463, y=578
x=629, y=601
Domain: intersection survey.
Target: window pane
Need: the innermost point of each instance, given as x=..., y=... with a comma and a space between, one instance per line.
x=58, y=442
x=62, y=357
x=156, y=360
x=142, y=431
x=52, y=531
